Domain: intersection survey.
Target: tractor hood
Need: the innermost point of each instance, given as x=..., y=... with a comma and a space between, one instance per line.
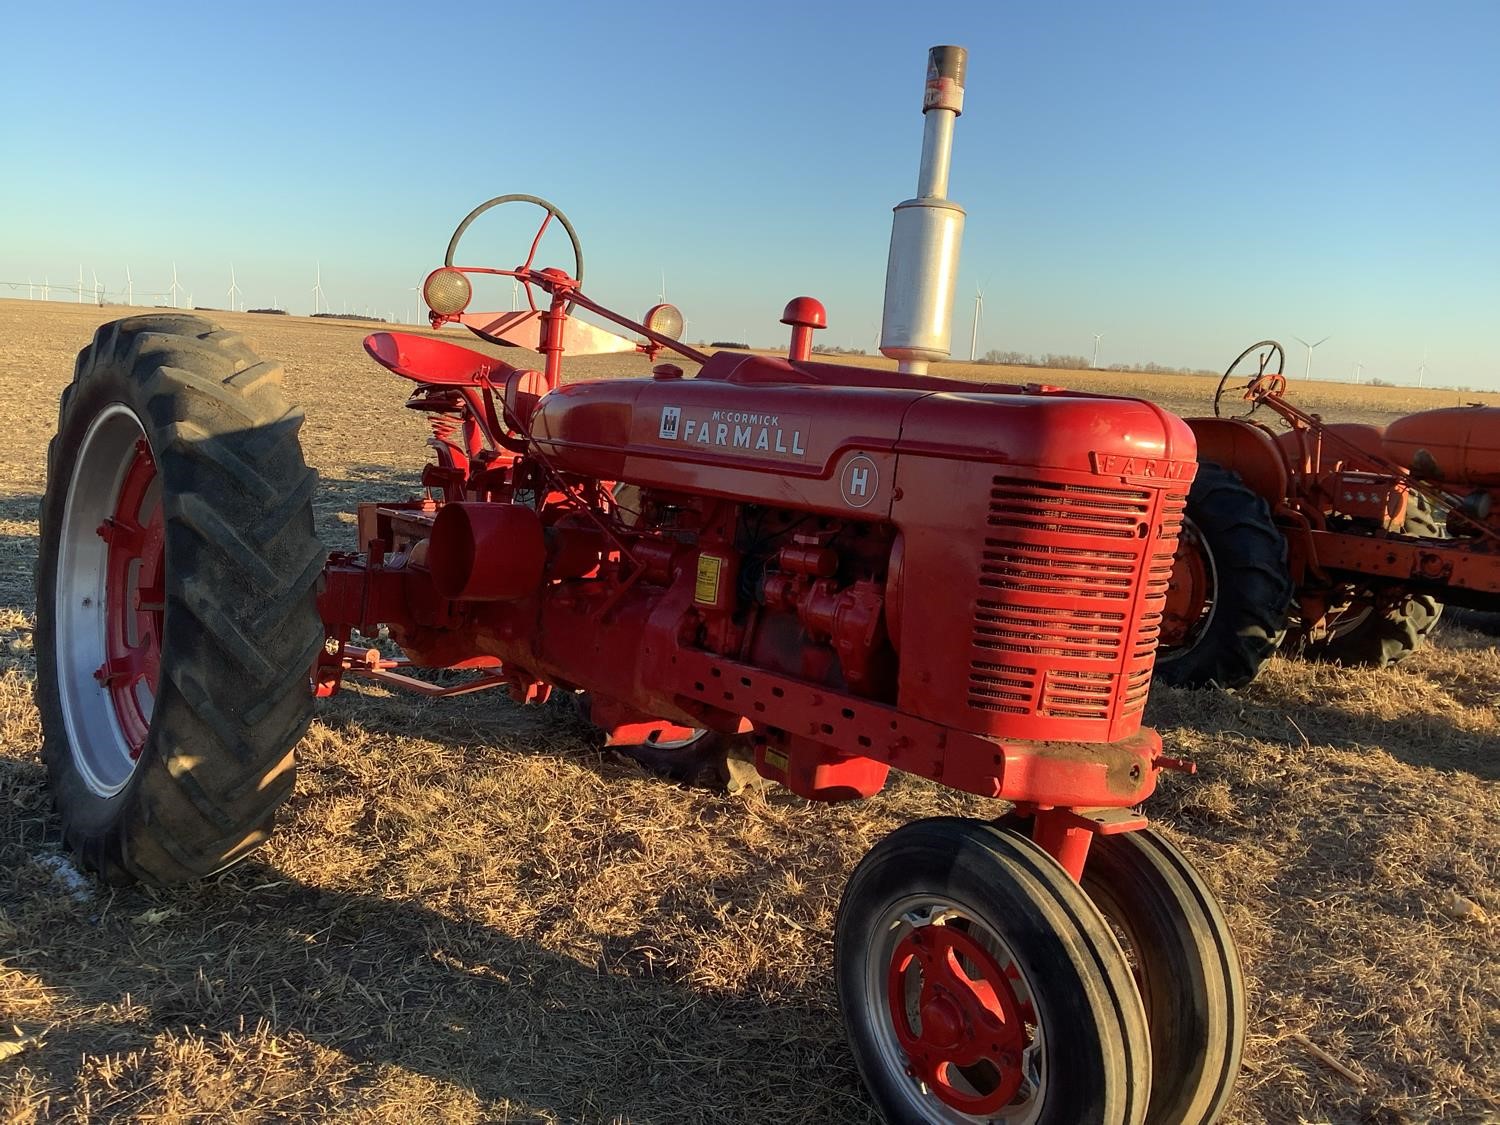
x=794, y=443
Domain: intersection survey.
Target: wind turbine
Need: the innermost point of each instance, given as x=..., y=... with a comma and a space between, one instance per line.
x=1307, y=373
x=30, y=295
x=317, y=292
x=1359, y=370
x=1097, y=337
x=46, y=288
x=80, y=283
x=974, y=332
x=661, y=298
x=1422, y=371
x=233, y=288
x=175, y=287
x=129, y=288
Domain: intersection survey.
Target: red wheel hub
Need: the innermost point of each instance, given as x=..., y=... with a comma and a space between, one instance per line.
x=134, y=598
x=1190, y=592
x=969, y=1033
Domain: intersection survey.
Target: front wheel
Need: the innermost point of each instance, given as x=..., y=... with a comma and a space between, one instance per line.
x=1186, y=966
x=977, y=982
x=176, y=617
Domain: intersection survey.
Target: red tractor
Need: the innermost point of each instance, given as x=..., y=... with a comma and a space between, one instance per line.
x=1341, y=541
x=847, y=570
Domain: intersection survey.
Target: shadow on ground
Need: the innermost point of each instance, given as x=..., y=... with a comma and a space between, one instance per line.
x=528, y=1030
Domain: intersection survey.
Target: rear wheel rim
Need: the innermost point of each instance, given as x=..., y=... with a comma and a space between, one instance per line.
x=110, y=598
x=954, y=1015
x=1191, y=594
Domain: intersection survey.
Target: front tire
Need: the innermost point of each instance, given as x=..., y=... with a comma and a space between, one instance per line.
x=176, y=613
x=1186, y=966
x=977, y=982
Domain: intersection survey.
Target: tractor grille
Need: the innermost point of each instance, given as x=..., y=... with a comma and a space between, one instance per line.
x=1062, y=627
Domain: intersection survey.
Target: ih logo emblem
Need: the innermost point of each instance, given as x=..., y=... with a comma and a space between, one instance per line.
x=859, y=481
x=671, y=418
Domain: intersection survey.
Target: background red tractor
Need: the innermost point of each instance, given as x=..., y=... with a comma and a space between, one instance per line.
x=849, y=570
x=1341, y=541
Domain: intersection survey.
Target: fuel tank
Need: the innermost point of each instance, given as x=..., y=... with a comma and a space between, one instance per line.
x=1459, y=444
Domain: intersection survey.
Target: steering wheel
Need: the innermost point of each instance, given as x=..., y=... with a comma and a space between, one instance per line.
x=1251, y=375
x=552, y=213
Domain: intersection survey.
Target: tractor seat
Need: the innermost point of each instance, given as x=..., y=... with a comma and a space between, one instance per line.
x=437, y=362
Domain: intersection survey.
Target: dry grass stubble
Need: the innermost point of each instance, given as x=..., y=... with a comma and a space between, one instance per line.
x=468, y=913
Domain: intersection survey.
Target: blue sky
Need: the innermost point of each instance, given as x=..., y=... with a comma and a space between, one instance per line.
x=1183, y=179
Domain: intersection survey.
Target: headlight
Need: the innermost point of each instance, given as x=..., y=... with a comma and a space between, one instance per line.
x=447, y=291
x=665, y=320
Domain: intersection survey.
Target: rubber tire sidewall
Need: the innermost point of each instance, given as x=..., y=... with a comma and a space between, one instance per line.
x=1193, y=984
x=218, y=760
x=1253, y=585
x=1096, y=1043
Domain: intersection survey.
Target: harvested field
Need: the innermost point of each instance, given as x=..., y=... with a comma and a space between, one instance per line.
x=468, y=913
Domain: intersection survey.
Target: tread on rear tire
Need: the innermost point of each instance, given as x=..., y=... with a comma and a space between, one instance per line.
x=1252, y=587
x=238, y=625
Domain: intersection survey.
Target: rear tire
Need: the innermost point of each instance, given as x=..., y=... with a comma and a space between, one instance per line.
x=1388, y=636
x=177, y=773
x=1243, y=618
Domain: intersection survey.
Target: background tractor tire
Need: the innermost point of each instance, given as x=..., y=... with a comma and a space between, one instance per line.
x=171, y=705
x=1388, y=636
x=1246, y=616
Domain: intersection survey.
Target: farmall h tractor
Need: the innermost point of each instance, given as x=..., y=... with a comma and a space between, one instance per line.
x=849, y=570
x=1339, y=541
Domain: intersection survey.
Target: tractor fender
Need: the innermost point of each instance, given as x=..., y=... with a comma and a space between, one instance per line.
x=1248, y=450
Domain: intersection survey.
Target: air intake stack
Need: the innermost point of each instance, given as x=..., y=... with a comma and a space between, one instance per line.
x=926, y=233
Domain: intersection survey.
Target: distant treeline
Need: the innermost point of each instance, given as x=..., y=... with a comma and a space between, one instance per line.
x=270, y=312
x=349, y=316
x=1081, y=363
x=1027, y=359
x=729, y=344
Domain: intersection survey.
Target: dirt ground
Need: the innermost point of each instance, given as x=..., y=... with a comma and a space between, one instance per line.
x=469, y=914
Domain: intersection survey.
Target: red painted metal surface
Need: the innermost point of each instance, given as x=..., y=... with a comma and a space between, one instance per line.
x=859, y=570
x=862, y=570
x=134, y=598
x=435, y=362
x=968, y=1017
x=805, y=315
x=1460, y=445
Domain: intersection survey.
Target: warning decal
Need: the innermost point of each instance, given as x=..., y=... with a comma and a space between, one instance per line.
x=706, y=591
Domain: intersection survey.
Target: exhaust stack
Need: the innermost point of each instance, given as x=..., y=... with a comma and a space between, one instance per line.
x=926, y=232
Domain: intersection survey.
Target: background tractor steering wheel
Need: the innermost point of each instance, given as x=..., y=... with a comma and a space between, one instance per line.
x=552, y=213
x=1261, y=363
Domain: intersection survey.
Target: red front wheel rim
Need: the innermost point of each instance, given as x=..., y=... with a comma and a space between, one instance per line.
x=956, y=1015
